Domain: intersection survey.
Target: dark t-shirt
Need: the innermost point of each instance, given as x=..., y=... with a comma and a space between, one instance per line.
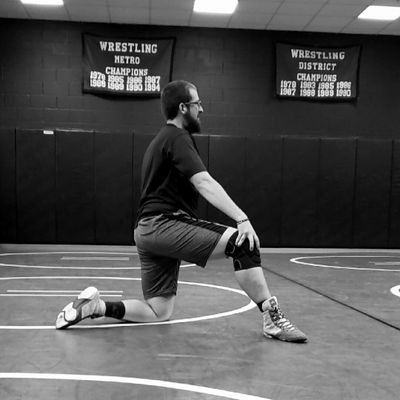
x=170, y=160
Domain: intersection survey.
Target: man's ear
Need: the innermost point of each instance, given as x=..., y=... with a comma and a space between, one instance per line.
x=183, y=108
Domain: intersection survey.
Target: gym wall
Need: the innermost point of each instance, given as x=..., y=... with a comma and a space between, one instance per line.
x=307, y=173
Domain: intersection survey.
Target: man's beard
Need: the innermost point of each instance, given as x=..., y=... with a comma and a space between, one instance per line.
x=192, y=125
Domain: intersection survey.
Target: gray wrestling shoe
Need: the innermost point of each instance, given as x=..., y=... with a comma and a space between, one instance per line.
x=279, y=327
x=86, y=305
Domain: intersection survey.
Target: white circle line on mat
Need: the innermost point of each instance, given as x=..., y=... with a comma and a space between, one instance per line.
x=247, y=307
x=299, y=260
x=133, y=381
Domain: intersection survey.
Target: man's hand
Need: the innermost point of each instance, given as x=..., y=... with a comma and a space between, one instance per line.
x=246, y=231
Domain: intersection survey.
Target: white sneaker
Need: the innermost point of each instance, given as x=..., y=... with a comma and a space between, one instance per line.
x=279, y=327
x=86, y=305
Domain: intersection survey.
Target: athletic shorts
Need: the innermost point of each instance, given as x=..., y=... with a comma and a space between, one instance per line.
x=163, y=241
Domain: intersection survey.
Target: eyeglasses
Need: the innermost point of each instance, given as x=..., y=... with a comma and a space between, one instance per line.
x=196, y=102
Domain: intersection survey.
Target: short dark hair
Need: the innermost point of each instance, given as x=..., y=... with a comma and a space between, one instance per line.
x=172, y=95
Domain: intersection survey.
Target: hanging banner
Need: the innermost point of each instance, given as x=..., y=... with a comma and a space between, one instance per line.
x=136, y=67
x=317, y=73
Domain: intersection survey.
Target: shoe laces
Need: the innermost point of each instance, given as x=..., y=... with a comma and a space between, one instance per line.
x=279, y=319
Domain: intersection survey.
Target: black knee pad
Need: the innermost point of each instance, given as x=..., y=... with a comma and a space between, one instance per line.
x=243, y=257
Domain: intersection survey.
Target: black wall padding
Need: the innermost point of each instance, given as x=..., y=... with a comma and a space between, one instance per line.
x=299, y=192
x=394, y=221
x=261, y=195
x=140, y=144
x=8, y=205
x=202, y=142
x=227, y=163
x=114, y=187
x=336, y=192
x=75, y=187
x=84, y=187
x=35, y=184
x=372, y=193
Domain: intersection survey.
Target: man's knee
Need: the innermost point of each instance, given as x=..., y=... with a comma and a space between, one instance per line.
x=243, y=257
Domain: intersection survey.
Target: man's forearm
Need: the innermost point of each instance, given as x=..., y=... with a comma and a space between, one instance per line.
x=216, y=195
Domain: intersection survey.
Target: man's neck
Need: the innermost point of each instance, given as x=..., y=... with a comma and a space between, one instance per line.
x=176, y=121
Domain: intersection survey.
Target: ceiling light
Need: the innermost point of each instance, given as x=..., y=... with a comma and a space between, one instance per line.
x=44, y=2
x=215, y=6
x=383, y=13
